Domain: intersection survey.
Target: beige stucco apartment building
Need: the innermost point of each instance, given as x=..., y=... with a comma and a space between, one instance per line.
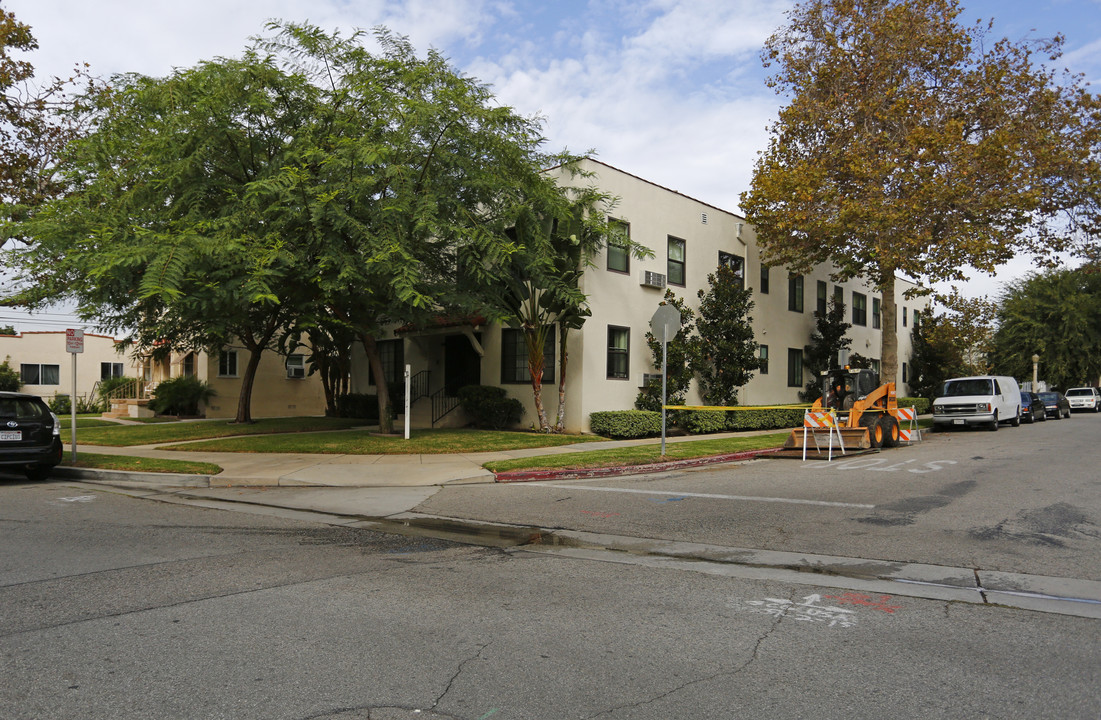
x=282, y=386
x=46, y=368
x=608, y=357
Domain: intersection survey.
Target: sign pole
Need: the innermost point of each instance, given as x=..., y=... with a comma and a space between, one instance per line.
x=74, y=343
x=408, y=382
x=664, y=375
x=72, y=408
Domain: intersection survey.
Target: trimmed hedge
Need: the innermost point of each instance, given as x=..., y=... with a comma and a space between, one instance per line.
x=622, y=424
x=764, y=419
x=490, y=407
x=363, y=406
x=919, y=403
x=701, y=422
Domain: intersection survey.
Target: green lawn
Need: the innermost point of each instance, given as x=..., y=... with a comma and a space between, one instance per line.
x=365, y=443
x=125, y=462
x=641, y=454
x=151, y=434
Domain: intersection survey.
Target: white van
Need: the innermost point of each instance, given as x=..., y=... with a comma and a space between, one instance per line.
x=980, y=400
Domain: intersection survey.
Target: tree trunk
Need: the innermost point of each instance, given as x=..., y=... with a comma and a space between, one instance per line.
x=385, y=417
x=244, y=400
x=560, y=423
x=889, y=359
x=536, y=342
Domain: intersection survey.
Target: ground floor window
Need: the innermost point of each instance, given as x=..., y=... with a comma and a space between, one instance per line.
x=795, y=367
x=514, y=357
x=392, y=354
x=187, y=367
x=762, y=353
x=35, y=374
x=108, y=370
x=296, y=366
x=619, y=353
x=227, y=363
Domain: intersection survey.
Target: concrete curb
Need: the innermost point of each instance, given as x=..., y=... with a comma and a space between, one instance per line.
x=130, y=476
x=534, y=475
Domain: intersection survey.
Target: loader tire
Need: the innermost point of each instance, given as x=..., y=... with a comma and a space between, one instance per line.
x=874, y=428
x=890, y=431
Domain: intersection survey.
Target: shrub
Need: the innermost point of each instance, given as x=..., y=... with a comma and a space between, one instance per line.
x=699, y=422
x=9, y=377
x=918, y=403
x=359, y=405
x=60, y=404
x=180, y=396
x=490, y=407
x=764, y=419
x=625, y=423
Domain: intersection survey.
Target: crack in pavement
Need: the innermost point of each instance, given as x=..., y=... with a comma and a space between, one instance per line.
x=458, y=672
x=725, y=673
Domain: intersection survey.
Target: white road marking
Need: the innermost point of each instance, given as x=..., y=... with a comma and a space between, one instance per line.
x=750, y=498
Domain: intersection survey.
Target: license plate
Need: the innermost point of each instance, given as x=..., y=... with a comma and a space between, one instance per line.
x=957, y=422
x=9, y=435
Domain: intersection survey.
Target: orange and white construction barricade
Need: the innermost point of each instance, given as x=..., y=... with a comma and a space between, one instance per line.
x=911, y=434
x=814, y=422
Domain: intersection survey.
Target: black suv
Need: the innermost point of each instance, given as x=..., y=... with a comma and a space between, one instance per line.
x=30, y=435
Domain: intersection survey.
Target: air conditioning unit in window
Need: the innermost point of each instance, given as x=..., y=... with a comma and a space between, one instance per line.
x=651, y=279
x=645, y=378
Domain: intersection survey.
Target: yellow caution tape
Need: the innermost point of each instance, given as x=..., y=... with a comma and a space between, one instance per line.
x=737, y=407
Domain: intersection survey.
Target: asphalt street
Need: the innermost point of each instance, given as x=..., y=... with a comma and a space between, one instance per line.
x=119, y=608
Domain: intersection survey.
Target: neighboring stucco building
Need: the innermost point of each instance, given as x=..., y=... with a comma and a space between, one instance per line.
x=46, y=368
x=281, y=388
x=608, y=356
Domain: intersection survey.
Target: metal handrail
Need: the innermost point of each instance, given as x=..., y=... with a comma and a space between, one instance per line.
x=442, y=404
x=418, y=385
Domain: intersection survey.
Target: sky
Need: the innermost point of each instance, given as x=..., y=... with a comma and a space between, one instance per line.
x=670, y=90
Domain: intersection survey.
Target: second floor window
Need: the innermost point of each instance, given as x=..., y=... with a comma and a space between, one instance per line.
x=877, y=321
x=619, y=235
x=764, y=279
x=822, y=298
x=860, y=309
x=795, y=293
x=675, y=265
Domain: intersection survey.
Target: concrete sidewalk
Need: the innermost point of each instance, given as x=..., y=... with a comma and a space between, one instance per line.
x=341, y=471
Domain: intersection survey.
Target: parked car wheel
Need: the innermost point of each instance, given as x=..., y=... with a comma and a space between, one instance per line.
x=1016, y=421
x=994, y=425
x=38, y=473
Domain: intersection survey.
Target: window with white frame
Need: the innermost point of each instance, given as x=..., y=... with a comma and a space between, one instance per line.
x=36, y=374
x=227, y=363
x=619, y=238
x=675, y=262
x=296, y=366
x=108, y=370
x=619, y=353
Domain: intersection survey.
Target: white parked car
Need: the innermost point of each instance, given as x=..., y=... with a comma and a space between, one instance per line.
x=982, y=400
x=1084, y=398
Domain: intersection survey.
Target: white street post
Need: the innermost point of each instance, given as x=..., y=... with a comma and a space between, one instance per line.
x=408, y=382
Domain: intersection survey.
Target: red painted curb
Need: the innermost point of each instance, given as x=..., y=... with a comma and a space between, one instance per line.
x=532, y=475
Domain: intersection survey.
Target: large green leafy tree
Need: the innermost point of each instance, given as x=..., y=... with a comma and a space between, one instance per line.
x=169, y=228
x=726, y=354
x=410, y=175
x=914, y=145
x=37, y=119
x=826, y=343
x=1057, y=315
